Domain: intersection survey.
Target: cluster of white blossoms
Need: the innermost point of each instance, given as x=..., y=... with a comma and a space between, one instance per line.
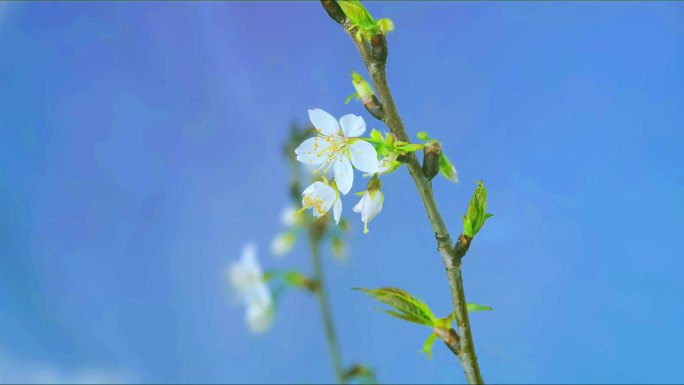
x=338, y=144
x=247, y=279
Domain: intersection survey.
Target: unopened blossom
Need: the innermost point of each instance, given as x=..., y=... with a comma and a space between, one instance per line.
x=246, y=278
x=338, y=145
x=320, y=198
x=369, y=206
x=288, y=216
x=283, y=243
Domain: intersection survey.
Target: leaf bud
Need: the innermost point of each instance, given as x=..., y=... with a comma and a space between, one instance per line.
x=431, y=155
x=334, y=10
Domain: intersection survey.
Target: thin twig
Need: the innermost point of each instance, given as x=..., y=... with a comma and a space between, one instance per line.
x=325, y=307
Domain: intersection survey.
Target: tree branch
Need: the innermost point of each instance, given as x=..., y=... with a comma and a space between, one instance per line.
x=450, y=257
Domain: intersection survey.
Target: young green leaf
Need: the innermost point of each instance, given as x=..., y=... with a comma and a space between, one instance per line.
x=447, y=169
x=427, y=347
x=357, y=14
x=385, y=25
x=408, y=308
x=473, y=307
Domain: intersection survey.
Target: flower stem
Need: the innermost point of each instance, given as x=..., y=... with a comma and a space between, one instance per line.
x=451, y=256
x=322, y=296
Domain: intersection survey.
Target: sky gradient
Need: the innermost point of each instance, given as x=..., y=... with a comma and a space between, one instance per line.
x=141, y=148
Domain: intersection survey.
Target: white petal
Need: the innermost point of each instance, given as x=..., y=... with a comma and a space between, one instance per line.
x=324, y=122
x=327, y=194
x=374, y=206
x=364, y=157
x=359, y=206
x=352, y=125
x=313, y=151
x=344, y=174
x=337, y=210
x=319, y=191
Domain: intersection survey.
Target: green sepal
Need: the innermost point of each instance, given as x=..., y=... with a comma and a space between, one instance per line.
x=447, y=169
x=427, y=346
x=409, y=308
x=473, y=307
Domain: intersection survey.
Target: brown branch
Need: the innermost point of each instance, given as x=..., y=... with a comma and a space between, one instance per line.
x=451, y=256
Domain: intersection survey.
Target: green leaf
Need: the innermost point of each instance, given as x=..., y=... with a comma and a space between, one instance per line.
x=422, y=135
x=357, y=14
x=447, y=169
x=473, y=307
x=427, y=346
x=351, y=97
x=408, y=307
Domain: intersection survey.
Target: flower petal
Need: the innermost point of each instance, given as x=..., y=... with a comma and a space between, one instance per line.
x=359, y=206
x=313, y=151
x=324, y=122
x=364, y=157
x=327, y=195
x=374, y=205
x=352, y=125
x=344, y=174
x=337, y=210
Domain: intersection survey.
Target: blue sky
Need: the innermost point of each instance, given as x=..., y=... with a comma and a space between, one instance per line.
x=141, y=150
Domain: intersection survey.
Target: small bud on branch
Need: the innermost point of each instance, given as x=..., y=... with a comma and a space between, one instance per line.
x=379, y=47
x=334, y=10
x=431, y=155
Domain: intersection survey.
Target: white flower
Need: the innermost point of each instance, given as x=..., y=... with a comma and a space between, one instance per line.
x=246, y=278
x=260, y=309
x=321, y=197
x=283, y=243
x=369, y=206
x=337, y=147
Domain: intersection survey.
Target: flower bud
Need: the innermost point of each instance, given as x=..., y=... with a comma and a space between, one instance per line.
x=379, y=47
x=431, y=154
x=334, y=10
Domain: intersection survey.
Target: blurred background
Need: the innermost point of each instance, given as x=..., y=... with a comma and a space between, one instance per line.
x=141, y=148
